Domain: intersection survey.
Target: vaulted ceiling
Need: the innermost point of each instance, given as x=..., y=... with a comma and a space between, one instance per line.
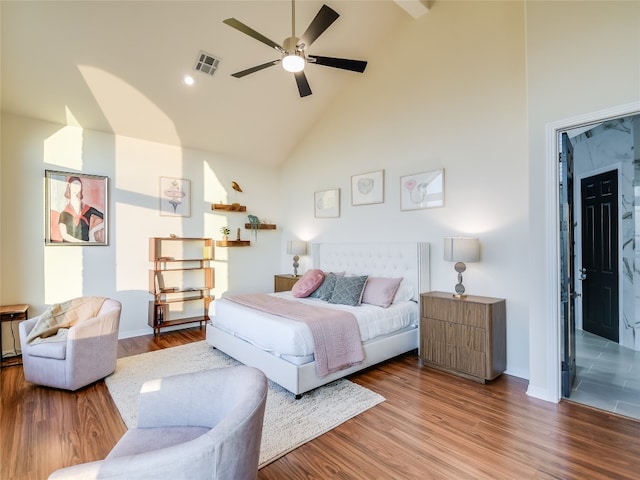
x=118, y=66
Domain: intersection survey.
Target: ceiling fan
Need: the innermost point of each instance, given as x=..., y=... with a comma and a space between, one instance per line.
x=293, y=51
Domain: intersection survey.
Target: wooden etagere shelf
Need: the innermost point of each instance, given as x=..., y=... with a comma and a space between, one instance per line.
x=181, y=277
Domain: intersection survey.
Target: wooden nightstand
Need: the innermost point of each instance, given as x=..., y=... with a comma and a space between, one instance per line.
x=284, y=282
x=467, y=337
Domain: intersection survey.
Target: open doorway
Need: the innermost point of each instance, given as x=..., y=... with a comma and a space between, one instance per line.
x=599, y=196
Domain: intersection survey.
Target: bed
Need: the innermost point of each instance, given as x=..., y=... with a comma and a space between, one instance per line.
x=286, y=355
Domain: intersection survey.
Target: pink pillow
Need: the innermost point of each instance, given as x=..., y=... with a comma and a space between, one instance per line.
x=380, y=291
x=308, y=283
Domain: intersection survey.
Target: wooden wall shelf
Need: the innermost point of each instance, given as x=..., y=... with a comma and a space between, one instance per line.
x=261, y=226
x=234, y=207
x=232, y=243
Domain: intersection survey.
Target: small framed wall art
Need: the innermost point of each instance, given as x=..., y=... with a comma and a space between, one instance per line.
x=175, y=197
x=367, y=188
x=422, y=190
x=76, y=208
x=327, y=203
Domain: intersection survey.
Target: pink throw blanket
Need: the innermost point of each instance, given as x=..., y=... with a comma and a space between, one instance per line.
x=336, y=335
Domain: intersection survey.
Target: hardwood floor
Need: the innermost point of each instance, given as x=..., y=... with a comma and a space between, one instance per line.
x=432, y=425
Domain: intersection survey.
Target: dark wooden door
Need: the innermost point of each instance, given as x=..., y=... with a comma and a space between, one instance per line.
x=600, y=307
x=567, y=267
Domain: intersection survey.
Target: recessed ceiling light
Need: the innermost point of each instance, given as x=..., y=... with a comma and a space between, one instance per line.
x=188, y=80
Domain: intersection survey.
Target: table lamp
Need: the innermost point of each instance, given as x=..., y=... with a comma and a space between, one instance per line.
x=461, y=250
x=296, y=248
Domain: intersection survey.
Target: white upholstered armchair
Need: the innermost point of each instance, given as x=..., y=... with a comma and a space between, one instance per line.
x=203, y=425
x=89, y=352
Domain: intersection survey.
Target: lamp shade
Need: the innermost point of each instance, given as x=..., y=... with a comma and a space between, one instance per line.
x=296, y=247
x=461, y=249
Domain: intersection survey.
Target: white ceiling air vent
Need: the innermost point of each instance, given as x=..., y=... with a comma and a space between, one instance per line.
x=207, y=63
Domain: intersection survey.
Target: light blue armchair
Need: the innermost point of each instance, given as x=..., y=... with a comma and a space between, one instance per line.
x=203, y=425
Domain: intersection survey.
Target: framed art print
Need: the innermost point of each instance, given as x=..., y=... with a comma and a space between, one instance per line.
x=367, y=188
x=422, y=190
x=76, y=208
x=327, y=203
x=175, y=197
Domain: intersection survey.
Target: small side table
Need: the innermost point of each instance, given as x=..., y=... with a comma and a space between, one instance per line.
x=11, y=313
x=284, y=282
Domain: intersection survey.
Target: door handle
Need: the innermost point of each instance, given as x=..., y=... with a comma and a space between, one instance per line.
x=583, y=274
x=575, y=294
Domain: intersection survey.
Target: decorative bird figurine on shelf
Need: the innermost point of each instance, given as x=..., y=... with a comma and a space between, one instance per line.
x=237, y=189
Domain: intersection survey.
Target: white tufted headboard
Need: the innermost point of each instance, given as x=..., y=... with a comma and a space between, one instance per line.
x=409, y=260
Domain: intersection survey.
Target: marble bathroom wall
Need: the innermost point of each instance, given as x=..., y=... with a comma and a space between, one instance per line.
x=608, y=145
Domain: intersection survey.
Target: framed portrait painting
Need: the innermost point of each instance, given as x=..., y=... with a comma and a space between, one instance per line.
x=76, y=209
x=367, y=188
x=327, y=203
x=175, y=197
x=422, y=190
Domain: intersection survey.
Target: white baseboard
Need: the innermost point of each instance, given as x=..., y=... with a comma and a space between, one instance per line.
x=542, y=394
x=517, y=372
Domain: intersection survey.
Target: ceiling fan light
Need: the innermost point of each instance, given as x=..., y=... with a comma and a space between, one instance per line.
x=293, y=63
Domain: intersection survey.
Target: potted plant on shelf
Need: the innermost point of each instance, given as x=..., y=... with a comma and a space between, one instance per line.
x=225, y=233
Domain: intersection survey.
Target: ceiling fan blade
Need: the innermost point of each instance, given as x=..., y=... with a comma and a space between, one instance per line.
x=303, y=84
x=323, y=20
x=257, y=68
x=343, y=63
x=238, y=25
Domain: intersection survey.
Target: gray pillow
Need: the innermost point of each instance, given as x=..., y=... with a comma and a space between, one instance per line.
x=324, y=291
x=348, y=290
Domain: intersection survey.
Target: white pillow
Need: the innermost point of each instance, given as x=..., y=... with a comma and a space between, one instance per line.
x=404, y=293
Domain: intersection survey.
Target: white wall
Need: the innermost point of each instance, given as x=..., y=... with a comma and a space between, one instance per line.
x=40, y=275
x=448, y=92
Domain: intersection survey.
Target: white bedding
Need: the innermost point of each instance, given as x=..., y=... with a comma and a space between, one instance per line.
x=290, y=338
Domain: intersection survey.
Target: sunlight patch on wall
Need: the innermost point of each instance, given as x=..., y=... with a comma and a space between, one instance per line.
x=214, y=190
x=72, y=121
x=63, y=149
x=139, y=164
x=213, y=222
x=63, y=273
x=118, y=99
x=134, y=257
x=63, y=266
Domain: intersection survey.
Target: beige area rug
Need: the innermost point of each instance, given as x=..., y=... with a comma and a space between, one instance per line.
x=288, y=422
